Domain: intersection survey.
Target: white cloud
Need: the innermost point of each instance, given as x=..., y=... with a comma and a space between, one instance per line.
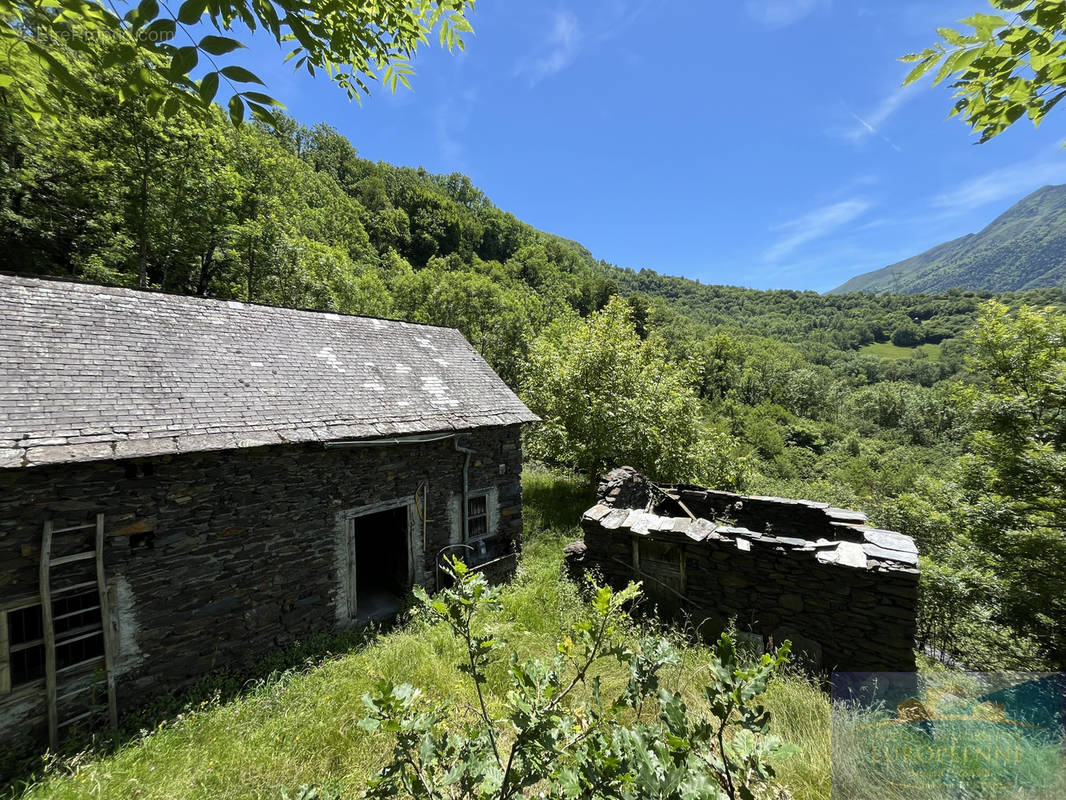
x=780, y=13
x=560, y=49
x=450, y=122
x=1005, y=183
x=814, y=225
x=567, y=39
x=871, y=123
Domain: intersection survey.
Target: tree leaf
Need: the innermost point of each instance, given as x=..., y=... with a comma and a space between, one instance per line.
x=240, y=74
x=236, y=110
x=185, y=58
x=263, y=115
x=921, y=68
x=219, y=45
x=162, y=30
x=191, y=11
x=145, y=11
x=985, y=24
x=209, y=87
x=259, y=97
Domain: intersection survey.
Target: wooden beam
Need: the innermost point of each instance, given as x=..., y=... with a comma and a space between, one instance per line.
x=105, y=619
x=49, y=634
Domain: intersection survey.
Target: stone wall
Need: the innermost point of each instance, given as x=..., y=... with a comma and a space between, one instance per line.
x=844, y=593
x=214, y=559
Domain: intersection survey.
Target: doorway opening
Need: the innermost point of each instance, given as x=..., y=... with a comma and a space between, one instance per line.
x=382, y=571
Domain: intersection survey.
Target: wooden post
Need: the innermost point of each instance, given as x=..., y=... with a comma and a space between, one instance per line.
x=105, y=620
x=49, y=634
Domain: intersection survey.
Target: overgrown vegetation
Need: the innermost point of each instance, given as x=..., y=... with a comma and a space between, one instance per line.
x=562, y=735
x=302, y=728
x=837, y=398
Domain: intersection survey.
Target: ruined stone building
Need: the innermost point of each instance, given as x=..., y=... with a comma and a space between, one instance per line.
x=186, y=484
x=844, y=593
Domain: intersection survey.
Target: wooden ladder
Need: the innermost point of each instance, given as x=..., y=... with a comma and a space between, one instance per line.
x=54, y=677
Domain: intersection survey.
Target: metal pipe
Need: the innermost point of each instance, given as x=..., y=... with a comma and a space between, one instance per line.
x=466, y=488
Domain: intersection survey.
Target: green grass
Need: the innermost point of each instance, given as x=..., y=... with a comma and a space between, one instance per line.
x=889, y=350
x=301, y=727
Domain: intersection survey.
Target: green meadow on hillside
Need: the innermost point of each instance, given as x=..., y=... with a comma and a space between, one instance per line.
x=300, y=727
x=889, y=350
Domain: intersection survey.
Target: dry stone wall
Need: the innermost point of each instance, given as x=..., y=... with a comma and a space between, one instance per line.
x=218, y=558
x=843, y=592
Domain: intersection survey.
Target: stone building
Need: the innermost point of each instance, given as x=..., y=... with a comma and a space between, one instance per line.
x=844, y=593
x=186, y=484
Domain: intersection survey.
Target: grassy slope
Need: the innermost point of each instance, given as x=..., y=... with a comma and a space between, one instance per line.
x=889, y=350
x=301, y=728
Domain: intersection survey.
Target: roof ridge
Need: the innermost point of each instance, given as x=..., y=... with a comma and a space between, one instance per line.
x=63, y=279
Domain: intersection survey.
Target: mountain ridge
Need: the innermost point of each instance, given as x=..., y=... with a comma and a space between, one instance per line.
x=1022, y=248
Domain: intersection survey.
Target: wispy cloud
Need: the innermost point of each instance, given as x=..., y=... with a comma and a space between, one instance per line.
x=871, y=123
x=450, y=121
x=814, y=225
x=567, y=38
x=559, y=50
x=1003, y=184
x=780, y=13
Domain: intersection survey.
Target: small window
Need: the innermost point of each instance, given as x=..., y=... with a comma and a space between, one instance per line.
x=478, y=516
x=25, y=638
x=79, y=636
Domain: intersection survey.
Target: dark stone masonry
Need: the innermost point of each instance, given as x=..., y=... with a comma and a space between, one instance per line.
x=188, y=484
x=844, y=593
x=215, y=559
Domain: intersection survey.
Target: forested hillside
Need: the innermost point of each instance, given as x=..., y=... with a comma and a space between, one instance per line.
x=858, y=399
x=1022, y=248
x=294, y=217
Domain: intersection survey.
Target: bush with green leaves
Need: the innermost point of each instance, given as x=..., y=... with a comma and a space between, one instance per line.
x=562, y=733
x=607, y=398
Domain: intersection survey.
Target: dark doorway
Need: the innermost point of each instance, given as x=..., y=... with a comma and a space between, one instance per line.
x=381, y=569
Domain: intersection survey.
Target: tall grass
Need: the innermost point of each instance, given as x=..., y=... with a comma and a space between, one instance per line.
x=301, y=727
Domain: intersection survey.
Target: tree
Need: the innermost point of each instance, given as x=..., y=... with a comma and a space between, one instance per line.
x=607, y=398
x=1019, y=409
x=907, y=335
x=353, y=43
x=496, y=319
x=563, y=733
x=1015, y=477
x=1003, y=69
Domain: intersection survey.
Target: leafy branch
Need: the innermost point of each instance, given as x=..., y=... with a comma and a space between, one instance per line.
x=560, y=736
x=1003, y=69
x=353, y=43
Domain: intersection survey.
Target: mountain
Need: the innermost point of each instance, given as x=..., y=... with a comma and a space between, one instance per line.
x=1022, y=248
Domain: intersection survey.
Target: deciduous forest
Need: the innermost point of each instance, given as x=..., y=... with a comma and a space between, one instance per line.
x=894, y=403
x=942, y=416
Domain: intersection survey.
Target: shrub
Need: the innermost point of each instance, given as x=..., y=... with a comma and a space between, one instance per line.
x=608, y=398
x=562, y=733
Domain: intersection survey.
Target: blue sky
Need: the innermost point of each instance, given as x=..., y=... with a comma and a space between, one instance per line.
x=762, y=143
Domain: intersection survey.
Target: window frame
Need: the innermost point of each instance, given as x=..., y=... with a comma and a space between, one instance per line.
x=29, y=601
x=19, y=604
x=485, y=494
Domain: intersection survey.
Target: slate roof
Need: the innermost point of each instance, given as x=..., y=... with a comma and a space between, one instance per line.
x=91, y=372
